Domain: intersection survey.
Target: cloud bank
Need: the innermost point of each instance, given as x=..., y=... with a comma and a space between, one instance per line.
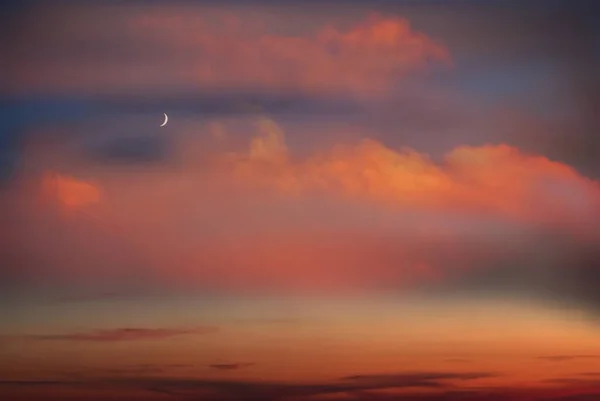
x=420, y=386
x=360, y=216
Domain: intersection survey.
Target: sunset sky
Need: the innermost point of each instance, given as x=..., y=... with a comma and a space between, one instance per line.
x=352, y=200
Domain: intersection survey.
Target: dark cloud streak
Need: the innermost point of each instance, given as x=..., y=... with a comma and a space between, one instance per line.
x=230, y=366
x=124, y=334
x=561, y=358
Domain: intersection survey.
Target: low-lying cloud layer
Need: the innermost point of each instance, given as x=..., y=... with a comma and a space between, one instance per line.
x=425, y=386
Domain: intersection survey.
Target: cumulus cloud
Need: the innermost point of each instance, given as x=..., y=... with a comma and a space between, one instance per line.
x=496, y=179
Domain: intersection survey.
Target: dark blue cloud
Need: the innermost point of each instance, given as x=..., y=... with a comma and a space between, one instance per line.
x=574, y=282
x=136, y=149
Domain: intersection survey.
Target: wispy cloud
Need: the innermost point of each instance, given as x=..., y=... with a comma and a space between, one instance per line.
x=230, y=366
x=440, y=386
x=124, y=334
x=407, y=378
x=247, y=390
x=183, y=47
x=35, y=383
x=145, y=368
x=561, y=358
x=458, y=360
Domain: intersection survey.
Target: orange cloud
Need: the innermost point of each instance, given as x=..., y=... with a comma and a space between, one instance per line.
x=357, y=216
x=70, y=192
x=496, y=179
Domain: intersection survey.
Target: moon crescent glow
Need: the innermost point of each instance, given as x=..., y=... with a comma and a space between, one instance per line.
x=166, y=120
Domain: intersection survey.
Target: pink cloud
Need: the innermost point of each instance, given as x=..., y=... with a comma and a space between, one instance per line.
x=496, y=179
x=183, y=48
x=356, y=217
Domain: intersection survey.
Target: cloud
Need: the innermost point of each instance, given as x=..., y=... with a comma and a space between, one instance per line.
x=572, y=380
x=164, y=48
x=562, y=358
x=490, y=179
x=69, y=192
x=420, y=376
x=143, y=369
x=358, y=216
x=230, y=366
x=426, y=379
x=33, y=382
x=137, y=149
x=578, y=397
x=438, y=386
x=125, y=334
x=247, y=390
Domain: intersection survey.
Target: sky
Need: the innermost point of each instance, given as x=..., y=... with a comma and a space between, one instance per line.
x=351, y=200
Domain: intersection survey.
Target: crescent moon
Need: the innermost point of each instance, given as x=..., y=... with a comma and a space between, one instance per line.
x=166, y=120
